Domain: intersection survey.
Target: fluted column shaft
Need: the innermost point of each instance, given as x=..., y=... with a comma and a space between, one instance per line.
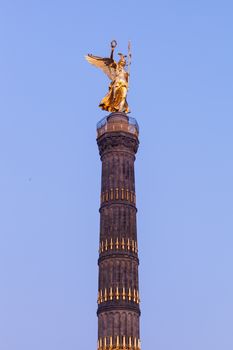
x=118, y=287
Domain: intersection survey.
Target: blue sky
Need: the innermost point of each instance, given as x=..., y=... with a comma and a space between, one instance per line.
x=181, y=95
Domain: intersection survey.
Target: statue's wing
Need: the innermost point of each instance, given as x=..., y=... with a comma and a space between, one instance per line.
x=107, y=65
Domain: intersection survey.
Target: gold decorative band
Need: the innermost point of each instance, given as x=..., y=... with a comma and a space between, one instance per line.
x=118, y=244
x=118, y=294
x=119, y=343
x=118, y=194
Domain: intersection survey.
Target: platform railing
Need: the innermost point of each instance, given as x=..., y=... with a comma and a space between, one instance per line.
x=130, y=126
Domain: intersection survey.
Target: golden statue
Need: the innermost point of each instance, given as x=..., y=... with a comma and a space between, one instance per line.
x=115, y=100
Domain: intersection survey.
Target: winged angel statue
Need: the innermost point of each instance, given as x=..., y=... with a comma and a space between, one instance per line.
x=115, y=99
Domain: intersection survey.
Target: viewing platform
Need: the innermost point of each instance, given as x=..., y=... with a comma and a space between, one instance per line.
x=117, y=121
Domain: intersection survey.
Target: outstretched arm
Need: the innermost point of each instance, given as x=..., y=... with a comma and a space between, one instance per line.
x=113, y=45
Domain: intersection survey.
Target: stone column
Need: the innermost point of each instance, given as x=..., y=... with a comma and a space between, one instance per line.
x=118, y=290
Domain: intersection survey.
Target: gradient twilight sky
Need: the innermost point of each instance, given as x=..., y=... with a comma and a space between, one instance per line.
x=181, y=93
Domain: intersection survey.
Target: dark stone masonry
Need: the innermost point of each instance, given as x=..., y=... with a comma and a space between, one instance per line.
x=118, y=290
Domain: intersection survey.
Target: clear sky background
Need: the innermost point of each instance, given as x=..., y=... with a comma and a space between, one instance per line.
x=181, y=95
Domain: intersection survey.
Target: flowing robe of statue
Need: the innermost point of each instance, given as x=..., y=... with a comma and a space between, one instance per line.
x=115, y=99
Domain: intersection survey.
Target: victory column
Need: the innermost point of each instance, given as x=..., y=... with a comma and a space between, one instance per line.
x=117, y=138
